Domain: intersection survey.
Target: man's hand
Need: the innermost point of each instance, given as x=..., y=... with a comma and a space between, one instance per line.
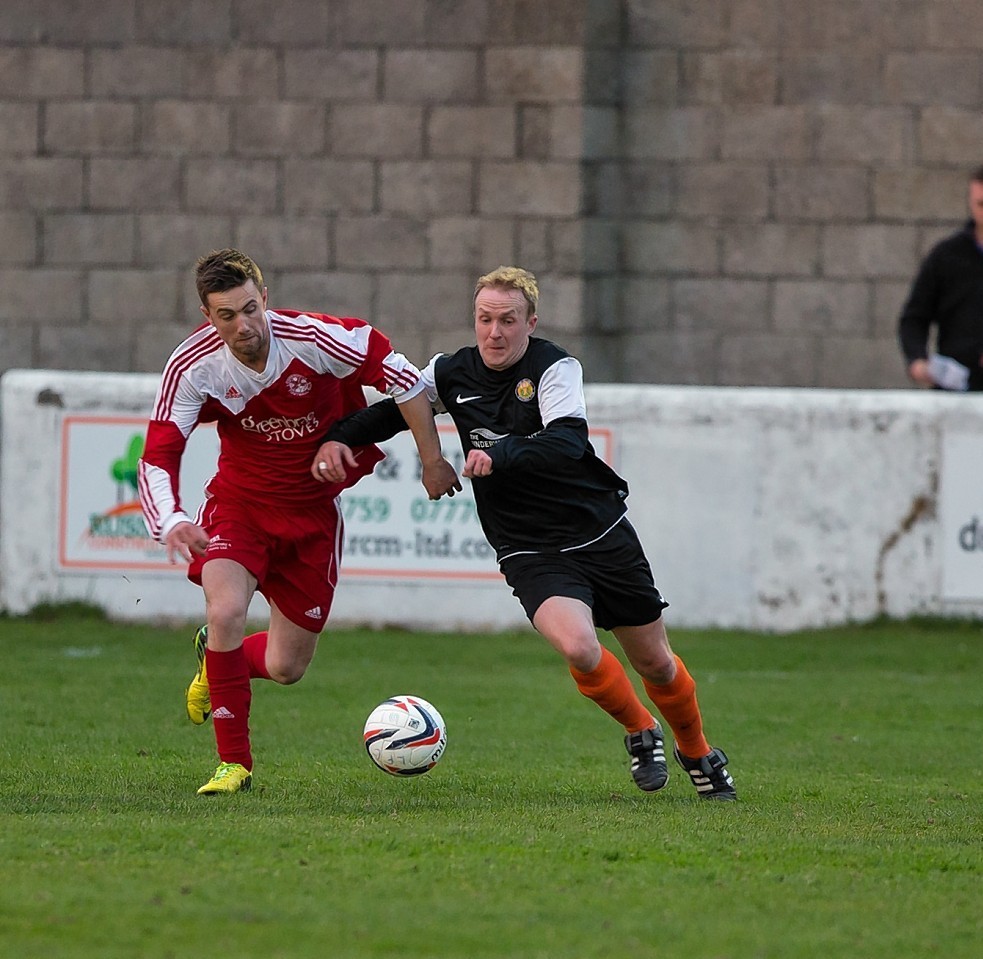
x=330, y=462
x=439, y=477
x=185, y=540
x=478, y=463
x=918, y=370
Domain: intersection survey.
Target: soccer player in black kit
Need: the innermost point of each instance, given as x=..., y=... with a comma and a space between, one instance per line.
x=556, y=516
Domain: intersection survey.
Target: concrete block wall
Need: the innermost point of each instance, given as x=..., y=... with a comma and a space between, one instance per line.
x=777, y=173
x=729, y=192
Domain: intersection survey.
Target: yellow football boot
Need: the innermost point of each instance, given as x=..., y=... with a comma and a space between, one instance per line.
x=228, y=778
x=198, y=699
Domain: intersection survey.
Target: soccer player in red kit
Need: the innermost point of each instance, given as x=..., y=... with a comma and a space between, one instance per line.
x=272, y=381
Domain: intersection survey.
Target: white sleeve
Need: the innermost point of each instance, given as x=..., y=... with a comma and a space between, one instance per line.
x=561, y=391
x=429, y=380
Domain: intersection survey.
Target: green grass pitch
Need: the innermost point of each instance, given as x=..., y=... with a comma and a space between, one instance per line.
x=856, y=752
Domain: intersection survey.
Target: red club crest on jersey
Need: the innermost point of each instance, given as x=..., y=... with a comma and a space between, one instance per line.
x=298, y=385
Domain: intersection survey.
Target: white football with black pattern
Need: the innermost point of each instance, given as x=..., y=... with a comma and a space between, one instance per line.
x=405, y=736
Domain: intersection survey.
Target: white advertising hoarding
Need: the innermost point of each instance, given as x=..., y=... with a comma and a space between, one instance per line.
x=100, y=522
x=392, y=530
x=847, y=505
x=961, y=516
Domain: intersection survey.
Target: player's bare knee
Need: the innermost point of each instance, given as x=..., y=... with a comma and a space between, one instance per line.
x=582, y=656
x=657, y=669
x=225, y=621
x=286, y=674
x=583, y=664
x=662, y=675
x=655, y=663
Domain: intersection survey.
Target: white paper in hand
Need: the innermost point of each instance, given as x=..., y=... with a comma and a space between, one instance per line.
x=948, y=373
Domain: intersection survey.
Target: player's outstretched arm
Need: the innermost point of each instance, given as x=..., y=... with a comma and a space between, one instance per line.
x=374, y=424
x=439, y=477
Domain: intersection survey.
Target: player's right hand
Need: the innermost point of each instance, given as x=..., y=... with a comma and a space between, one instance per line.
x=185, y=540
x=330, y=461
x=440, y=478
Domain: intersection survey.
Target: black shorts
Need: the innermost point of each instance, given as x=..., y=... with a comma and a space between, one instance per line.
x=612, y=576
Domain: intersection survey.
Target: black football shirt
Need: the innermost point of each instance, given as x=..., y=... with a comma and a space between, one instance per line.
x=548, y=489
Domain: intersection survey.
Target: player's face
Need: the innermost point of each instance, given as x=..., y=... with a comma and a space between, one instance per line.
x=239, y=316
x=502, y=326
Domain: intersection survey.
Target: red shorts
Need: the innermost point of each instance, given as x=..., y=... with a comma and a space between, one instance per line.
x=295, y=554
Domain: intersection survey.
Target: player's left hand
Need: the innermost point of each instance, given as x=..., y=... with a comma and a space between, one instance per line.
x=439, y=477
x=330, y=462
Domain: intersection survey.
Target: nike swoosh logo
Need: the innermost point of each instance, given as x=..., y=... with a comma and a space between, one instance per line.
x=466, y=399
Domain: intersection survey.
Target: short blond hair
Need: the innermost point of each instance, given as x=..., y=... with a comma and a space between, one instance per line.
x=511, y=278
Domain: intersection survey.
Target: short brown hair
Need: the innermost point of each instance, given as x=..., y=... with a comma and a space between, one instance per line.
x=511, y=278
x=977, y=176
x=223, y=270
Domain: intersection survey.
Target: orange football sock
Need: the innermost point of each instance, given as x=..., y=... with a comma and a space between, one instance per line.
x=254, y=647
x=608, y=685
x=677, y=703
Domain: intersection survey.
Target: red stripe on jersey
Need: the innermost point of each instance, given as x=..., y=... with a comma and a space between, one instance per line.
x=189, y=353
x=321, y=336
x=345, y=322
x=317, y=329
x=176, y=368
x=150, y=510
x=403, y=378
x=163, y=449
x=316, y=321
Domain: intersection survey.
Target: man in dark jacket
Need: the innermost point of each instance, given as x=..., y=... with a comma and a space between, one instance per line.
x=948, y=294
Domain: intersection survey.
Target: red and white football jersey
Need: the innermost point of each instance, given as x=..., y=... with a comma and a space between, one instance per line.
x=270, y=424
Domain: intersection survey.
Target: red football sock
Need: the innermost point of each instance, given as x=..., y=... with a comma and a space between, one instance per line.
x=608, y=685
x=254, y=647
x=677, y=703
x=230, y=693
